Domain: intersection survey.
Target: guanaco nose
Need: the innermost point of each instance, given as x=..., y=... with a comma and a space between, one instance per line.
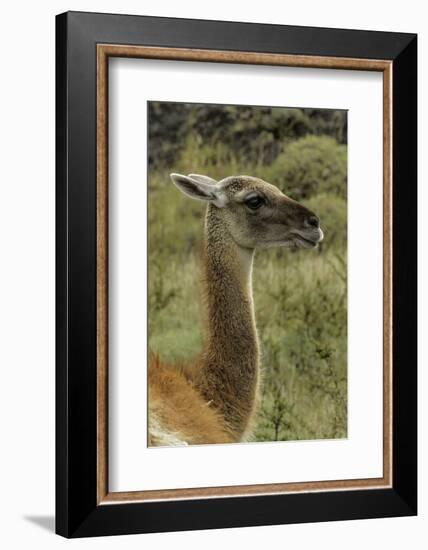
x=313, y=221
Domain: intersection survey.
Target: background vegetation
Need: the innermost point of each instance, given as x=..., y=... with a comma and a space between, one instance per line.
x=300, y=295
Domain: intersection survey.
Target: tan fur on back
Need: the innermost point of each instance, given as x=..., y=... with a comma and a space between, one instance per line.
x=177, y=413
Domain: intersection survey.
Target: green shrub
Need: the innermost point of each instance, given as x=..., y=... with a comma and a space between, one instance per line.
x=312, y=164
x=254, y=134
x=302, y=321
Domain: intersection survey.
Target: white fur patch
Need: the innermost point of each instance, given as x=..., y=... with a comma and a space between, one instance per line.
x=221, y=199
x=162, y=437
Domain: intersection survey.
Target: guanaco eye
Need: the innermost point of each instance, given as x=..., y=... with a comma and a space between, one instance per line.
x=254, y=202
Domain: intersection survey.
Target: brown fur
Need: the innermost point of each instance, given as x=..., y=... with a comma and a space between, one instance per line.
x=229, y=374
x=180, y=410
x=215, y=399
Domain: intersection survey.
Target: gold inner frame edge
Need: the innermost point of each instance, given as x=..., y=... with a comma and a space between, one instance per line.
x=104, y=52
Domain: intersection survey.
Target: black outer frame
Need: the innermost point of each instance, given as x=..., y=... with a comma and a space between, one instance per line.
x=77, y=513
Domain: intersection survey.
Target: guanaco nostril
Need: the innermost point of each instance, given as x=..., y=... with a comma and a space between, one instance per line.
x=313, y=221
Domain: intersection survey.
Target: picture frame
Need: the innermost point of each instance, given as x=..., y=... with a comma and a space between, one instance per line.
x=84, y=44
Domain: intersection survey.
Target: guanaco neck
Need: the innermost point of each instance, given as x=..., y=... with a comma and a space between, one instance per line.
x=230, y=373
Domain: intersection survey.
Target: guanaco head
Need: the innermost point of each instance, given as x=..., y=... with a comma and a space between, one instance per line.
x=256, y=213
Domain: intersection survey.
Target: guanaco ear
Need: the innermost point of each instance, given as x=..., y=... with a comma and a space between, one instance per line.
x=203, y=179
x=197, y=187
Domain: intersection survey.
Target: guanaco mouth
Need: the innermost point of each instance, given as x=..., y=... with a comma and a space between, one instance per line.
x=306, y=242
x=301, y=242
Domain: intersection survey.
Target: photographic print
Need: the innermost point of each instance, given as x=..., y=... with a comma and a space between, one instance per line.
x=247, y=274
x=231, y=280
